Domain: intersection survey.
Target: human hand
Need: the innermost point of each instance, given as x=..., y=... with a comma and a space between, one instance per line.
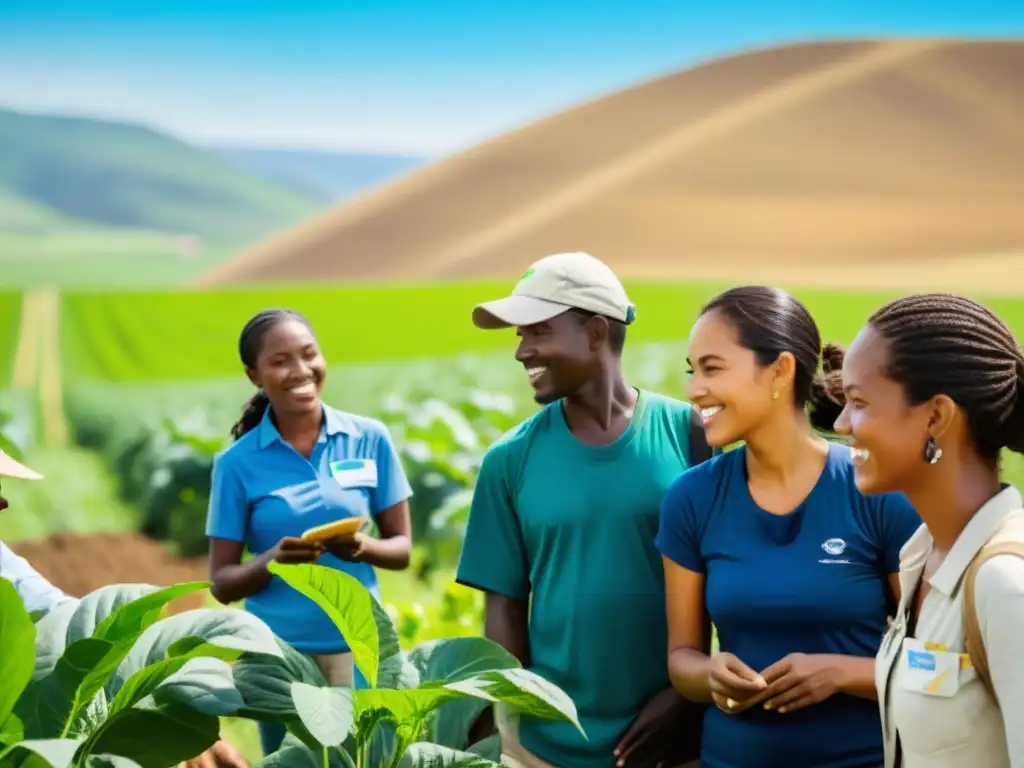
x=733, y=684
x=352, y=548
x=653, y=732
x=220, y=755
x=799, y=680
x=291, y=550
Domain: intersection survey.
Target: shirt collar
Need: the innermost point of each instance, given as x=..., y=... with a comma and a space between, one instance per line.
x=335, y=423
x=985, y=523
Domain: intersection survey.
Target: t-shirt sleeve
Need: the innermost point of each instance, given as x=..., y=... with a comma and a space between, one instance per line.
x=493, y=556
x=392, y=484
x=681, y=525
x=897, y=521
x=227, y=516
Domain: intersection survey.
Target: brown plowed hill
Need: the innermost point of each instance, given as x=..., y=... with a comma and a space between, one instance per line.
x=782, y=161
x=79, y=564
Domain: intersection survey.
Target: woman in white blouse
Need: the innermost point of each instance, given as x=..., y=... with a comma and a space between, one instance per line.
x=934, y=388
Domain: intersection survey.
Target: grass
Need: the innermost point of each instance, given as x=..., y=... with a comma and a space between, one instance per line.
x=78, y=495
x=10, y=311
x=175, y=336
x=97, y=258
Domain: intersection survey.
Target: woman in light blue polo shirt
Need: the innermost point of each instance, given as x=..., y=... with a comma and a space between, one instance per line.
x=298, y=463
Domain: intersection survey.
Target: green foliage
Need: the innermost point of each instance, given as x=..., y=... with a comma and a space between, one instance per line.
x=10, y=311
x=114, y=683
x=420, y=704
x=164, y=466
x=126, y=176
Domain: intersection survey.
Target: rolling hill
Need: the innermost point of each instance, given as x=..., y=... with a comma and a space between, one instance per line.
x=326, y=176
x=130, y=177
x=830, y=157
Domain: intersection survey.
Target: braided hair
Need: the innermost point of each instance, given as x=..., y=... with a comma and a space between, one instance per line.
x=942, y=343
x=770, y=321
x=250, y=345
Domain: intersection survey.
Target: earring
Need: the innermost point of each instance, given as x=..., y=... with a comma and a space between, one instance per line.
x=775, y=395
x=932, y=452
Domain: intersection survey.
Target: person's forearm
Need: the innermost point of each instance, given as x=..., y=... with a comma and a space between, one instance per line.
x=232, y=583
x=856, y=676
x=391, y=554
x=688, y=669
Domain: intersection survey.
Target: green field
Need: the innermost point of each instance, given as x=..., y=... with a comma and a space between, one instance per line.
x=169, y=336
x=10, y=309
x=81, y=258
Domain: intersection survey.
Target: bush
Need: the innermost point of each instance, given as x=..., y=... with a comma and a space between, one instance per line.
x=163, y=466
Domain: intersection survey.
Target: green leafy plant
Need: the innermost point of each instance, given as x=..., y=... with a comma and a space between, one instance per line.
x=107, y=680
x=419, y=706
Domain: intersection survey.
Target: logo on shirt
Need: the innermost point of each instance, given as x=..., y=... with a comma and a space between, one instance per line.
x=834, y=547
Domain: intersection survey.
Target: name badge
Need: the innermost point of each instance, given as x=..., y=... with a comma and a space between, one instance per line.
x=355, y=473
x=929, y=671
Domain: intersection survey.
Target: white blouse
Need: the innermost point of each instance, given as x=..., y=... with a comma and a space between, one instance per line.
x=962, y=726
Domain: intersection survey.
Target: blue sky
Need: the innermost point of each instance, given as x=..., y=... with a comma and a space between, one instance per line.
x=426, y=77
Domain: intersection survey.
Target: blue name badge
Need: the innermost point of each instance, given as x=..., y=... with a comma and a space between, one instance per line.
x=921, y=660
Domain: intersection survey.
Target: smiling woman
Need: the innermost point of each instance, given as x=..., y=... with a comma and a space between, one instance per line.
x=773, y=541
x=298, y=464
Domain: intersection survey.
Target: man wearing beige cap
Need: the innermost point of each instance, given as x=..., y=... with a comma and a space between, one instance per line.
x=562, y=524
x=40, y=596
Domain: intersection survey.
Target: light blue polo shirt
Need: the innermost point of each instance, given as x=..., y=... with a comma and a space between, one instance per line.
x=263, y=490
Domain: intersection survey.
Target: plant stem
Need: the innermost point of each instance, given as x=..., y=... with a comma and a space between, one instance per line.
x=347, y=757
x=326, y=757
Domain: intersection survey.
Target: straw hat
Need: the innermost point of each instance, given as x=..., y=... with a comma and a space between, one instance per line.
x=11, y=468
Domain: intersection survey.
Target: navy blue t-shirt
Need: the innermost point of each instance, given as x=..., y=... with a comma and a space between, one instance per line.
x=812, y=581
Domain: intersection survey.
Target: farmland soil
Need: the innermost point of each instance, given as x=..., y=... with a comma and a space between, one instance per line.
x=79, y=564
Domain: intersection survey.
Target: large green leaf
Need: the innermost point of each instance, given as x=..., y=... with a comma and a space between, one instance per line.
x=403, y=706
x=129, y=620
x=146, y=680
x=459, y=658
x=17, y=648
x=348, y=604
x=206, y=685
x=11, y=730
x=265, y=682
x=452, y=660
x=425, y=755
x=524, y=691
x=326, y=712
x=155, y=738
x=57, y=753
x=301, y=756
x=224, y=627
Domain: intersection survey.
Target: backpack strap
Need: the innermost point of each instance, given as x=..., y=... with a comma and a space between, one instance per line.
x=973, y=641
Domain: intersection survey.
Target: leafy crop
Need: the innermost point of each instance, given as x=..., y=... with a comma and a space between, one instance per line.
x=419, y=706
x=106, y=679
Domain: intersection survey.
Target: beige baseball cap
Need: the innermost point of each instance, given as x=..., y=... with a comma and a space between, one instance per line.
x=555, y=284
x=11, y=468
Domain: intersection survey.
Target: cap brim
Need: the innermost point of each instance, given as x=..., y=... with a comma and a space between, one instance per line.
x=11, y=468
x=515, y=311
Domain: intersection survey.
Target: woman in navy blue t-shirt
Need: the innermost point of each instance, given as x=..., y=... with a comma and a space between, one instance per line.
x=795, y=567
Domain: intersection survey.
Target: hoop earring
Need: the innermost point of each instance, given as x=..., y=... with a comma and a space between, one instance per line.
x=932, y=452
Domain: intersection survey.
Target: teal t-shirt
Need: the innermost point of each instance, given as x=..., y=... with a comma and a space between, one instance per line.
x=572, y=527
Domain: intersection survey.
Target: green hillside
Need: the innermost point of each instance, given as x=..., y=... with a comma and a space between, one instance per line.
x=126, y=176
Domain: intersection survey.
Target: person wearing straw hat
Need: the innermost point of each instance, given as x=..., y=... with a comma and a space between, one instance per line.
x=561, y=529
x=39, y=595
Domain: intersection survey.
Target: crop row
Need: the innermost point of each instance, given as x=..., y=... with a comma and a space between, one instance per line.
x=10, y=309
x=176, y=336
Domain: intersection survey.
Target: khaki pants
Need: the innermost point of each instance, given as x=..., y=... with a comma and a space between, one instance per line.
x=338, y=668
x=515, y=755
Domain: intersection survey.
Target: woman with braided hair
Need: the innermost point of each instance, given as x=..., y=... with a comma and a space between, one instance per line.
x=934, y=390
x=297, y=464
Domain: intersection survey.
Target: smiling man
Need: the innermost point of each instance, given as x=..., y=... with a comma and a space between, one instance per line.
x=562, y=526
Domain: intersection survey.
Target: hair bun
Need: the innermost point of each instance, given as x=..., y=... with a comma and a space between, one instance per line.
x=1011, y=431
x=832, y=356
